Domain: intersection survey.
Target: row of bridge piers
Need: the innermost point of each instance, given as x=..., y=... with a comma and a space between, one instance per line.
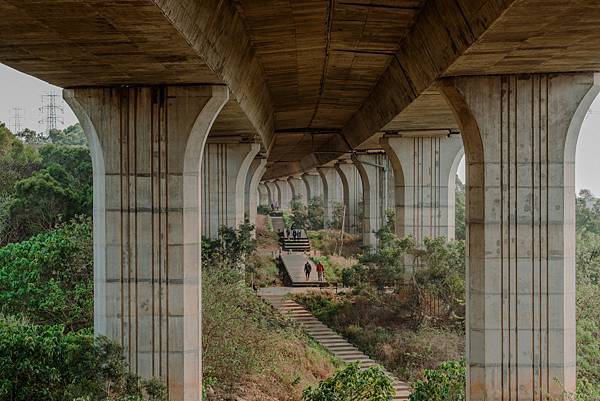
x=161, y=182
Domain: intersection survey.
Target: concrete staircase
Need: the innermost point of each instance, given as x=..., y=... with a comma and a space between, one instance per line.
x=301, y=244
x=329, y=339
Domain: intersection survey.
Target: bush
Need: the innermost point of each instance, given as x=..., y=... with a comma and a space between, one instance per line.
x=316, y=213
x=230, y=249
x=47, y=363
x=447, y=383
x=48, y=279
x=351, y=384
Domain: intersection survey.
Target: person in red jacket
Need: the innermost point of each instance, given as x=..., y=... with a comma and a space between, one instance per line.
x=320, y=270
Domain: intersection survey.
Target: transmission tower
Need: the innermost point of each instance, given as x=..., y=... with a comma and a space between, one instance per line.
x=15, y=120
x=51, y=112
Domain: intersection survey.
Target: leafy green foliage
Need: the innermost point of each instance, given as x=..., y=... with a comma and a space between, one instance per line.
x=316, y=213
x=44, y=362
x=353, y=384
x=299, y=213
x=72, y=135
x=337, y=215
x=446, y=383
x=231, y=248
x=48, y=279
x=43, y=184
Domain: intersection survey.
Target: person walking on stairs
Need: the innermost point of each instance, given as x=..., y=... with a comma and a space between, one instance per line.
x=307, y=269
x=320, y=270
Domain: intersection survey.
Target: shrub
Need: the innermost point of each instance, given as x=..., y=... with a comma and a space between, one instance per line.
x=230, y=249
x=352, y=383
x=47, y=363
x=48, y=279
x=446, y=383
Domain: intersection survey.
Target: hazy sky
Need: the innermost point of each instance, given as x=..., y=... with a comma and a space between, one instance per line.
x=23, y=91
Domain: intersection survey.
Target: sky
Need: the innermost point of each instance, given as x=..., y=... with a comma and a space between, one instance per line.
x=18, y=90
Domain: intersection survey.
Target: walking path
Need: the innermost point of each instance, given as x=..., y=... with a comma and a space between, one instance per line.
x=293, y=264
x=329, y=339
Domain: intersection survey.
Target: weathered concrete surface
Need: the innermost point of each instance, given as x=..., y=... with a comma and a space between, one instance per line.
x=374, y=175
x=520, y=135
x=314, y=185
x=425, y=166
x=333, y=191
x=353, y=195
x=299, y=190
x=263, y=194
x=224, y=170
x=146, y=146
x=285, y=193
x=251, y=196
x=274, y=194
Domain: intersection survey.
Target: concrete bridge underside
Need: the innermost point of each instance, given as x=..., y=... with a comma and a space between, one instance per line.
x=190, y=104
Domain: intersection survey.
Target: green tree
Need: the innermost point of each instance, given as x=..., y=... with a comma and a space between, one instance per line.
x=47, y=363
x=72, y=135
x=48, y=279
x=231, y=248
x=299, y=212
x=446, y=383
x=316, y=213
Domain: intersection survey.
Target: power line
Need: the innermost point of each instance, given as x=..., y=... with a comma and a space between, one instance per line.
x=15, y=120
x=51, y=112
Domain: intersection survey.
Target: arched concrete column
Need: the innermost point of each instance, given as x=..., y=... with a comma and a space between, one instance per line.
x=298, y=188
x=285, y=193
x=274, y=194
x=425, y=166
x=314, y=185
x=352, y=190
x=333, y=191
x=263, y=194
x=372, y=169
x=224, y=170
x=520, y=135
x=255, y=173
x=147, y=146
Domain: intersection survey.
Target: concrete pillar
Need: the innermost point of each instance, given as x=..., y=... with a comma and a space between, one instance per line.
x=224, y=170
x=333, y=191
x=520, y=134
x=285, y=193
x=256, y=171
x=352, y=190
x=274, y=194
x=298, y=188
x=425, y=166
x=263, y=194
x=372, y=169
x=314, y=185
x=147, y=145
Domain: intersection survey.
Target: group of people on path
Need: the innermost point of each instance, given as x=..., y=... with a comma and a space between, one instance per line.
x=294, y=233
x=308, y=268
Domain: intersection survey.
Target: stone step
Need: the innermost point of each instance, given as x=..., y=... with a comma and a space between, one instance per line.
x=332, y=341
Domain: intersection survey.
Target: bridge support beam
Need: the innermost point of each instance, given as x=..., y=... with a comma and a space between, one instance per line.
x=147, y=146
x=298, y=188
x=224, y=170
x=263, y=194
x=251, y=197
x=285, y=193
x=520, y=135
x=314, y=185
x=373, y=171
x=333, y=191
x=425, y=166
x=352, y=190
x=274, y=194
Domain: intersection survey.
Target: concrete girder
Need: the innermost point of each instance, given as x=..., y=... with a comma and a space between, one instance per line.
x=333, y=191
x=251, y=197
x=299, y=190
x=285, y=194
x=353, y=195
